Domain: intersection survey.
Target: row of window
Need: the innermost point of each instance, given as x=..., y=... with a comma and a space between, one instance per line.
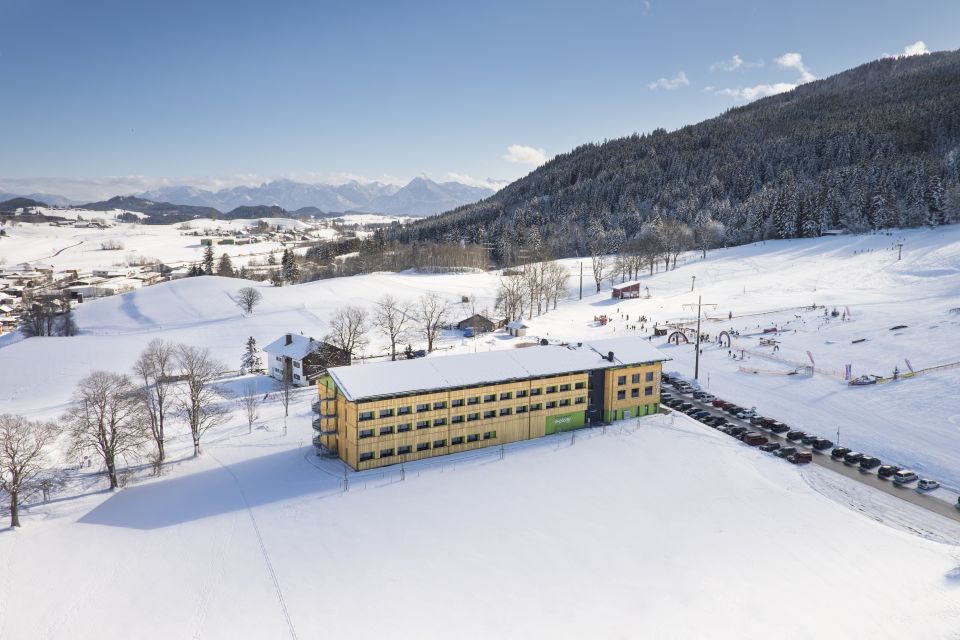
x=470, y=417
x=635, y=378
x=473, y=400
x=426, y=446
x=634, y=393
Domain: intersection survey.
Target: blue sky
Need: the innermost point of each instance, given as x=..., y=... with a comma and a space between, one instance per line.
x=114, y=96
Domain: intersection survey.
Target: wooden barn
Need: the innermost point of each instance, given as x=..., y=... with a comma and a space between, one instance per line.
x=479, y=323
x=626, y=290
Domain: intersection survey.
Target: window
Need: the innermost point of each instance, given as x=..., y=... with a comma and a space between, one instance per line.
x=366, y=433
x=565, y=387
x=522, y=393
x=648, y=391
x=296, y=377
x=456, y=403
x=473, y=400
x=405, y=449
x=473, y=437
x=536, y=407
x=535, y=392
x=386, y=453
x=580, y=385
x=506, y=411
x=296, y=364
x=634, y=393
x=439, y=405
x=490, y=397
x=473, y=416
x=439, y=422
x=490, y=414
x=279, y=359
x=489, y=435
x=565, y=402
x=423, y=407
x=579, y=400
x=365, y=415
x=423, y=446
x=552, y=404
x=423, y=424
x=456, y=419
x=402, y=411
x=385, y=413
x=385, y=431
x=456, y=440
x=649, y=377
x=439, y=444
x=366, y=456
x=622, y=394
x=522, y=409
x=406, y=426
x=552, y=389
x=506, y=395
x=635, y=378
x=276, y=369
x=622, y=380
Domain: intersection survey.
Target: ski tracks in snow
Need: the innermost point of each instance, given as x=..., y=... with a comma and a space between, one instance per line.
x=263, y=548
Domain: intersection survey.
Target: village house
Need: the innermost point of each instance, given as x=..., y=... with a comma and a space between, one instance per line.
x=301, y=359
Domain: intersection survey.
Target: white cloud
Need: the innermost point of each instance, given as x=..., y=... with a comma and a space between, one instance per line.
x=645, y=4
x=918, y=48
x=519, y=154
x=757, y=91
x=680, y=80
x=795, y=61
x=732, y=64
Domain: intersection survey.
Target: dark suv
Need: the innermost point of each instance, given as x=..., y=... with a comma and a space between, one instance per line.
x=854, y=457
x=822, y=444
x=795, y=435
x=839, y=452
x=888, y=470
x=869, y=462
x=778, y=427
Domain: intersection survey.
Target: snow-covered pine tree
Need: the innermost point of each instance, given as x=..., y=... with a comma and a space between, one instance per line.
x=251, y=356
x=207, y=261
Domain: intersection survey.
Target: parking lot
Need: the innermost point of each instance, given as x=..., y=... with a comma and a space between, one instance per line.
x=940, y=501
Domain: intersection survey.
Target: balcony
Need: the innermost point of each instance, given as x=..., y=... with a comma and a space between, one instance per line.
x=324, y=427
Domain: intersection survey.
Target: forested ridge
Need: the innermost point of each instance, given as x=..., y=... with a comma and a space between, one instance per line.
x=873, y=147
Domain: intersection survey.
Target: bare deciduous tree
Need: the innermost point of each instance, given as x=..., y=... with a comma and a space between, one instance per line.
x=107, y=418
x=510, y=296
x=432, y=313
x=391, y=317
x=199, y=399
x=249, y=404
x=153, y=370
x=555, y=278
x=348, y=329
x=248, y=298
x=22, y=447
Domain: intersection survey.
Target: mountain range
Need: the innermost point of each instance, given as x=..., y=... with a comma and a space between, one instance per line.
x=420, y=197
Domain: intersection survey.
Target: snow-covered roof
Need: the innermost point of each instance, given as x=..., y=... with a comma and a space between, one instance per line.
x=298, y=348
x=360, y=382
x=516, y=324
x=625, y=285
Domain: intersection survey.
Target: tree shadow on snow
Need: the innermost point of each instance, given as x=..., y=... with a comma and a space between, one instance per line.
x=262, y=481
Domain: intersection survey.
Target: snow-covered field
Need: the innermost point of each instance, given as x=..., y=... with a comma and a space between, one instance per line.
x=653, y=529
x=78, y=248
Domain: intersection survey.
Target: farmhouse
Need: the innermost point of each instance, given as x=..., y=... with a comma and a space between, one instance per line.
x=626, y=290
x=301, y=359
x=479, y=323
x=384, y=413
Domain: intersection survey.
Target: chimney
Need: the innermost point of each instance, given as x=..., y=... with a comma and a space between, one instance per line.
x=289, y=339
x=610, y=356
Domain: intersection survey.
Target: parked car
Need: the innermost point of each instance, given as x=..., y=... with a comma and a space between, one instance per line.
x=747, y=414
x=783, y=452
x=927, y=484
x=754, y=439
x=854, y=457
x=699, y=394
x=839, y=452
x=904, y=476
x=770, y=446
x=665, y=378
x=795, y=435
x=733, y=409
x=757, y=421
x=801, y=457
x=808, y=439
x=664, y=396
x=887, y=471
x=869, y=462
x=683, y=406
x=692, y=411
x=766, y=422
x=706, y=397
x=822, y=444
x=720, y=404
x=736, y=431
x=779, y=427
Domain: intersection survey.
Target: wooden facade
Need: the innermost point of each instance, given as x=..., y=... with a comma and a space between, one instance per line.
x=383, y=431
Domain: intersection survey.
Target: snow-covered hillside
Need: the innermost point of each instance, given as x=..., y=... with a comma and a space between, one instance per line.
x=658, y=528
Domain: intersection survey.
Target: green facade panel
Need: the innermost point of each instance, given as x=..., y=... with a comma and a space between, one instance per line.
x=565, y=422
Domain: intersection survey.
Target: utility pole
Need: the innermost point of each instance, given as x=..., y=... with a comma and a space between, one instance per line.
x=581, y=280
x=899, y=250
x=693, y=283
x=696, y=365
